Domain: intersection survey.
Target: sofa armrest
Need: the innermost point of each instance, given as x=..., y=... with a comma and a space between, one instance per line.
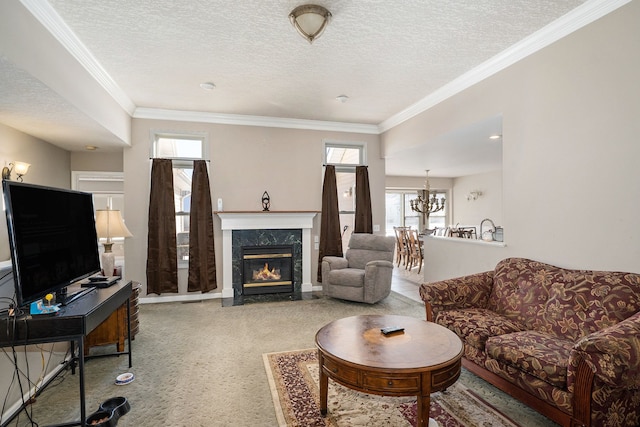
x=612, y=353
x=460, y=292
x=335, y=262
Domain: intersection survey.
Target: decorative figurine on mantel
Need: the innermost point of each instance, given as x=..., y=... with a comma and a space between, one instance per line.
x=266, y=201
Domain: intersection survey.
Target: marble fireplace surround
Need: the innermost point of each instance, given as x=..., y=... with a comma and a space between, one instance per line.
x=260, y=220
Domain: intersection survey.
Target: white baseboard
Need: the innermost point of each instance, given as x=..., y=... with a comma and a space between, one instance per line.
x=179, y=298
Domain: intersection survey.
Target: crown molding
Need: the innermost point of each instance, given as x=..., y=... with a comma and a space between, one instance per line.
x=244, y=120
x=563, y=26
x=59, y=29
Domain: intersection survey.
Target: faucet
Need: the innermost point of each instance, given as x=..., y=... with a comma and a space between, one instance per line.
x=491, y=231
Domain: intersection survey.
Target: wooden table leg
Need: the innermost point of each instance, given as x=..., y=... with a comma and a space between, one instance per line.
x=324, y=385
x=424, y=405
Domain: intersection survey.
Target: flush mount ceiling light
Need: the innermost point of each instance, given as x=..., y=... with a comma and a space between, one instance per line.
x=342, y=98
x=310, y=20
x=495, y=136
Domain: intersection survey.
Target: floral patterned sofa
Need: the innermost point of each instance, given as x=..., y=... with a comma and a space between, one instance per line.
x=565, y=342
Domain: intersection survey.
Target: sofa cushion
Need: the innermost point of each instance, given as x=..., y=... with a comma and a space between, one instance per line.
x=584, y=302
x=475, y=325
x=541, y=355
x=562, y=302
x=353, y=277
x=519, y=289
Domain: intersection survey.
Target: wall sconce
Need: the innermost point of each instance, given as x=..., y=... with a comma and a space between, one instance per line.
x=20, y=169
x=474, y=195
x=310, y=20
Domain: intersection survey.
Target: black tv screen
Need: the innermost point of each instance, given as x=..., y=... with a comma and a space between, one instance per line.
x=52, y=237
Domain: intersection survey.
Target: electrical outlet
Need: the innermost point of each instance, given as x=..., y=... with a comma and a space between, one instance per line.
x=376, y=227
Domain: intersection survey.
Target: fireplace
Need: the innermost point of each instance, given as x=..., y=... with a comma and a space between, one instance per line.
x=267, y=269
x=256, y=228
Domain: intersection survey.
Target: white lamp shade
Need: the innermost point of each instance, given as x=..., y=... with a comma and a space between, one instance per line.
x=21, y=168
x=109, y=224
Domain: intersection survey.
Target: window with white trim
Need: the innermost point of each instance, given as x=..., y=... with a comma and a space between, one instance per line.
x=345, y=157
x=182, y=149
x=400, y=214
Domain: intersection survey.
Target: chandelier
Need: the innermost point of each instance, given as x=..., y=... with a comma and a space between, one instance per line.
x=426, y=204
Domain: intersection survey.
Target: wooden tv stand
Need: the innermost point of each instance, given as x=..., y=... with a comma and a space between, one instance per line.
x=114, y=329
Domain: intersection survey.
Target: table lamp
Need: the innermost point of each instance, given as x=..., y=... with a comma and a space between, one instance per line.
x=109, y=224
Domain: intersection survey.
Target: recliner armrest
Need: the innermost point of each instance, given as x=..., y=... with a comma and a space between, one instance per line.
x=379, y=263
x=612, y=353
x=335, y=263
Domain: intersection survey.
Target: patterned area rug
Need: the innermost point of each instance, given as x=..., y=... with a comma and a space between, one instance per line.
x=294, y=379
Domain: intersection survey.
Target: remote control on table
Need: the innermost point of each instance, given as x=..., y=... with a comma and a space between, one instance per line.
x=391, y=329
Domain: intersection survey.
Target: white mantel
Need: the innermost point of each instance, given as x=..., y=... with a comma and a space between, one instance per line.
x=259, y=220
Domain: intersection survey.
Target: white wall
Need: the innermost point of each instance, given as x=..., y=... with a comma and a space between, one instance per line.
x=245, y=161
x=571, y=179
x=488, y=205
x=97, y=161
x=417, y=183
x=49, y=166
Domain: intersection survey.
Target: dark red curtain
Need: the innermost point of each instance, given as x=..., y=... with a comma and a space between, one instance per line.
x=162, y=256
x=202, y=255
x=363, y=221
x=330, y=238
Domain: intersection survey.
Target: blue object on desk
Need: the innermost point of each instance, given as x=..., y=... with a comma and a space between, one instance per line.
x=38, y=307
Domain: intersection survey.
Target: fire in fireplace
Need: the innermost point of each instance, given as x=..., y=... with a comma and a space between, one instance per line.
x=267, y=269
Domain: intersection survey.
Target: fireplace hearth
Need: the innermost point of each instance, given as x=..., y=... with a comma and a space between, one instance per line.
x=267, y=269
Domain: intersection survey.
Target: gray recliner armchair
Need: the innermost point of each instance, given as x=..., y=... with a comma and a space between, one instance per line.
x=364, y=274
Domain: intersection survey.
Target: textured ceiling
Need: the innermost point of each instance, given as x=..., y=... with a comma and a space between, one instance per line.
x=386, y=56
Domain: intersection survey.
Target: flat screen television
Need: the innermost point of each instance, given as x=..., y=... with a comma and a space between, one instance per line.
x=52, y=238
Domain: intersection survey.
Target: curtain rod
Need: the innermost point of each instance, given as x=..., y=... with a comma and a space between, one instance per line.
x=342, y=165
x=184, y=159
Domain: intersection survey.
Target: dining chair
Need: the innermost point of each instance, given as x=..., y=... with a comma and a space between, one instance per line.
x=416, y=256
x=402, y=247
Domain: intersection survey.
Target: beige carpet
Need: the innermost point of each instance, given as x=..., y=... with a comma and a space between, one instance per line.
x=294, y=379
x=200, y=364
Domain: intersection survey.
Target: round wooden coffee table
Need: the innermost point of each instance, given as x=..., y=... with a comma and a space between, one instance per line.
x=423, y=359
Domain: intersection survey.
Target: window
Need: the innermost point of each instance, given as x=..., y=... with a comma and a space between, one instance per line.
x=400, y=214
x=182, y=150
x=182, y=174
x=438, y=219
x=345, y=157
x=175, y=146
